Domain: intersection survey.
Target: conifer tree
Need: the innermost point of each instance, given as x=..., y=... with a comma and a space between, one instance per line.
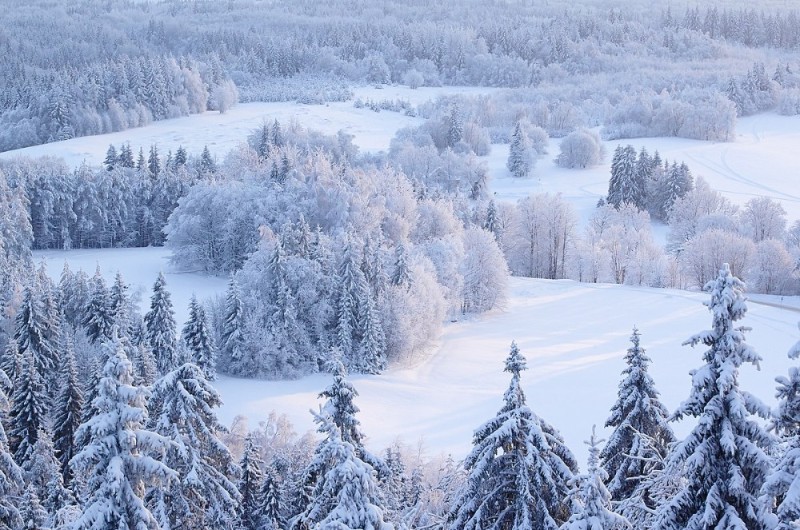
x=44, y=475
x=782, y=487
x=10, y=364
x=98, y=319
x=517, y=478
x=520, y=158
x=591, y=501
x=116, y=460
x=197, y=337
x=723, y=460
x=160, y=328
x=112, y=158
x=11, y=479
x=641, y=435
x=181, y=157
x=249, y=486
x=203, y=495
x=34, y=334
x=119, y=305
x=271, y=513
x=28, y=412
x=144, y=366
x=346, y=496
x=401, y=276
x=232, y=340
x=67, y=413
x=153, y=162
x=492, y=223
x=625, y=185
x=31, y=511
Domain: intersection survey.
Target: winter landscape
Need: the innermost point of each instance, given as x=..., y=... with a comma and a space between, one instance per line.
x=389, y=265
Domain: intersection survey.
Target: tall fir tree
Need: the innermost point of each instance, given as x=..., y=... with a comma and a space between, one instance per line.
x=401, y=276
x=271, y=514
x=34, y=334
x=203, y=496
x=782, y=487
x=591, y=501
x=346, y=496
x=116, y=461
x=160, y=328
x=28, y=410
x=98, y=319
x=724, y=459
x=625, y=185
x=197, y=337
x=517, y=478
x=67, y=413
x=112, y=159
x=119, y=305
x=44, y=475
x=520, y=158
x=232, y=339
x=252, y=475
x=11, y=478
x=641, y=436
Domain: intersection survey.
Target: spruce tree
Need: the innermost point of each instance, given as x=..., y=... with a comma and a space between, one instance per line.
x=28, y=413
x=34, y=334
x=591, y=501
x=624, y=185
x=116, y=460
x=11, y=479
x=119, y=305
x=271, y=513
x=111, y=159
x=31, y=511
x=346, y=496
x=98, y=319
x=67, y=413
x=232, y=340
x=724, y=459
x=249, y=486
x=641, y=435
x=401, y=276
x=520, y=159
x=517, y=478
x=203, y=496
x=43, y=473
x=197, y=337
x=782, y=487
x=160, y=328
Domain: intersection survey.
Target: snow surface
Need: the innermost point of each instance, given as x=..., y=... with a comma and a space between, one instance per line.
x=573, y=335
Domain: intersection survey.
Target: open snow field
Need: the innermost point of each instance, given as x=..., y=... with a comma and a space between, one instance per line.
x=574, y=336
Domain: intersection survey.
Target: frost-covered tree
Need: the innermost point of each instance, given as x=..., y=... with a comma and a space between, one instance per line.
x=196, y=335
x=28, y=412
x=160, y=328
x=232, y=341
x=641, y=435
x=249, y=486
x=117, y=462
x=626, y=185
x=782, y=487
x=591, y=501
x=203, y=495
x=11, y=478
x=580, y=149
x=35, y=334
x=485, y=272
x=98, y=319
x=119, y=305
x=724, y=459
x=31, y=511
x=272, y=511
x=43, y=473
x=67, y=413
x=518, y=469
x=346, y=496
x=521, y=157
x=401, y=275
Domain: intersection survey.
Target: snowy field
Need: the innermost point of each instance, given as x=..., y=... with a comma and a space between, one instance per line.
x=574, y=336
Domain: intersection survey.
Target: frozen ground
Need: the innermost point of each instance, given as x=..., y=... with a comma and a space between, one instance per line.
x=574, y=336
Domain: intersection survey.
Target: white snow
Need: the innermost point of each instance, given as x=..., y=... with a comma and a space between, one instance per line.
x=573, y=335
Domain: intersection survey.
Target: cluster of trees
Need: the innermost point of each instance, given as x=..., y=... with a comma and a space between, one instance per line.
x=148, y=62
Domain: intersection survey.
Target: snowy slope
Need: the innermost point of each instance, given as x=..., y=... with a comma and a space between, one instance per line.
x=574, y=336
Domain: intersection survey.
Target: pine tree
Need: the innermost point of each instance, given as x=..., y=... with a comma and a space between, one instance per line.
x=207, y=164
x=624, y=185
x=401, y=276
x=144, y=366
x=34, y=334
x=160, y=328
x=32, y=512
x=119, y=305
x=455, y=126
x=591, y=501
x=232, y=340
x=264, y=142
x=249, y=486
x=517, y=475
x=181, y=157
x=346, y=497
x=10, y=364
x=492, y=223
x=197, y=337
x=28, y=412
x=98, y=319
x=203, y=495
x=141, y=162
x=11, y=479
x=520, y=159
x=641, y=436
x=43, y=473
x=277, y=134
x=782, y=487
x=371, y=357
x=153, y=162
x=67, y=414
x=723, y=460
x=272, y=509
x=126, y=156
x=111, y=158
x=116, y=460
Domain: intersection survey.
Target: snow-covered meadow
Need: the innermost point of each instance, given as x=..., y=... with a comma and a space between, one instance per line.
x=574, y=335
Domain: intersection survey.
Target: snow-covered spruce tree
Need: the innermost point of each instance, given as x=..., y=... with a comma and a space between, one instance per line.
x=591, y=501
x=144, y=366
x=624, y=185
x=160, y=328
x=10, y=364
x=43, y=473
x=401, y=275
x=516, y=479
x=119, y=305
x=117, y=462
x=11, y=479
x=249, y=486
x=98, y=319
x=203, y=495
x=232, y=342
x=520, y=158
x=271, y=513
x=196, y=335
x=28, y=410
x=782, y=487
x=34, y=333
x=31, y=511
x=346, y=496
x=641, y=436
x=67, y=413
x=724, y=461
